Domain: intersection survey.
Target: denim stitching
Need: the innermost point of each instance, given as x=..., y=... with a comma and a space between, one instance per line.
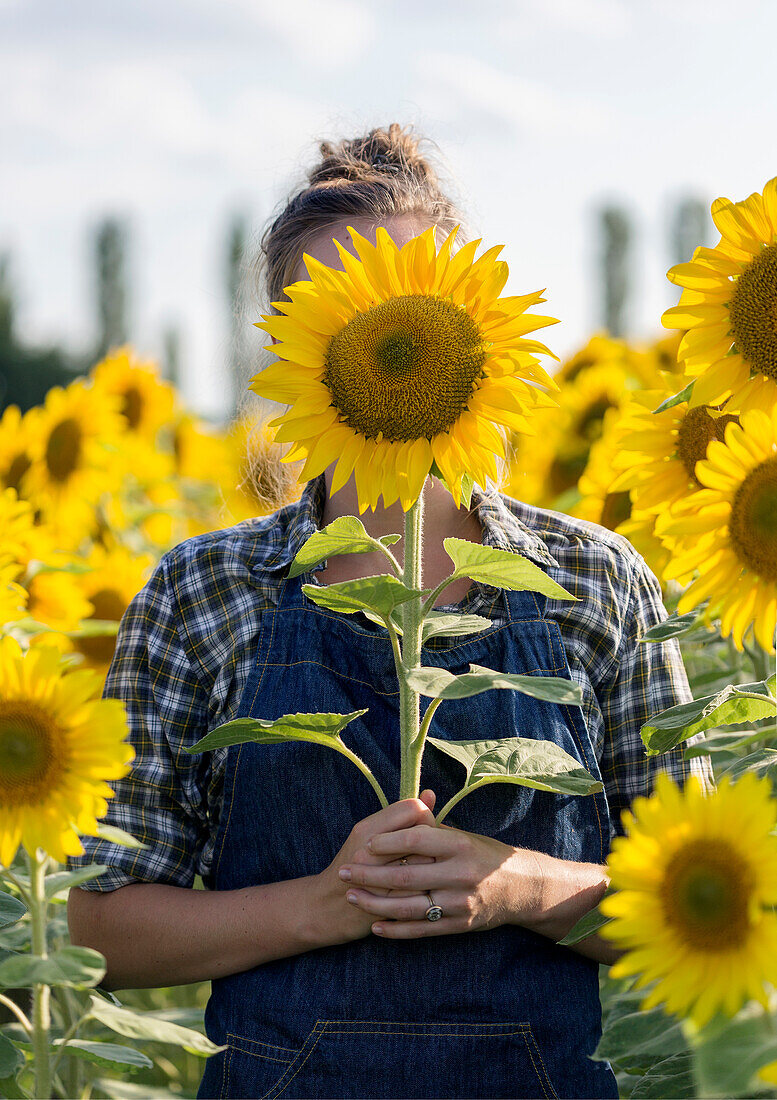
x=302, y=1063
x=529, y=1034
x=257, y=1043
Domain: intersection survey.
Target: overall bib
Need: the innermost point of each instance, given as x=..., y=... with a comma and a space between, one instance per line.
x=499, y=1013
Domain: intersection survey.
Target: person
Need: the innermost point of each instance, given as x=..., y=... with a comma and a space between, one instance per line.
x=329, y=976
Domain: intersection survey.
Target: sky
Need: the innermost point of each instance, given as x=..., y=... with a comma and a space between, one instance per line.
x=174, y=115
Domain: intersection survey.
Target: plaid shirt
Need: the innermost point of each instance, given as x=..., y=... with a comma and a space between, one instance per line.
x=187, y=642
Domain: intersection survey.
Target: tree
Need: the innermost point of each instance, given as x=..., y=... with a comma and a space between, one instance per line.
x=615, y=227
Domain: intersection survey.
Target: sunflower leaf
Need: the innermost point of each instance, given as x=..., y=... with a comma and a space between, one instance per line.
x=150, y=1026
x=501, y=568
x=344, y=535
x=118, y=836
x=735, y=703
x=729, y=1053
x=63, y=880
x=442, y=624
x=672, y=1076
x=438, y=683
x=541, y=765
x=321, y=729
x=636, y=1040
x=587, y=925
x=94, y=628
x=11, y=1058
x=11, y=910
x=75, y=966
x=107, y=1055
x=676, y=399
x=672, y=627
x=379, y=594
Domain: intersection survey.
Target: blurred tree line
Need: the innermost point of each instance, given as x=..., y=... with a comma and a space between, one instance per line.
x=27, y=372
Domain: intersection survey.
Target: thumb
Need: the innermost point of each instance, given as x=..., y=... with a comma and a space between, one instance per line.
x=429, y=797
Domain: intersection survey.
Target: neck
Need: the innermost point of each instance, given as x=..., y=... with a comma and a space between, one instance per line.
x=441, y=516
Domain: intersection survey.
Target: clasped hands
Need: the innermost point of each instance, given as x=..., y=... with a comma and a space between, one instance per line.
x=478, y=882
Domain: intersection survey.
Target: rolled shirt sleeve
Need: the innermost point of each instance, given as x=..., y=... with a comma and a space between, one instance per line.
x=645, y=678
x=160, y=801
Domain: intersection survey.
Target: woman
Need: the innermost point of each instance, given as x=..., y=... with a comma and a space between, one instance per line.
x=330, y=977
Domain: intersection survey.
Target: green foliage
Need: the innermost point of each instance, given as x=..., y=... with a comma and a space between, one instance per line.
x=676, y=626
x=442, y=624
x=438, y=683
x=11, y=910
x=732, y=705
x=521, y=760
x=380, y=595
x=133, y=1025
x=63, y=880
x=321, y=729
x=501, y=568
x=587, y=926
x=344, y=535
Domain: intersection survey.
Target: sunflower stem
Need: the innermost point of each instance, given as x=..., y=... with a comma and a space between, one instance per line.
x=41, y=994
x=411, y=744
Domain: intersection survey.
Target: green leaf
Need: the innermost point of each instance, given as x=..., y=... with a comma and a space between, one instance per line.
x=36, y=567
x=11, y=1057
x=128, y=1090
x=670, y=1077
x=734, y=704
x=673, y=627
x=467, y=485
x=442, y=624
x=501, y=568
x=344, y=535
x=63, y=880
x=94, y=628
x=118, y=836
x=438, y=683
x=321, y=729
x=676, y=399
x=762, y=763
x=588, y=925
x=521, y=760
x=76, y=966
x=11, y=910
x=729, y=1053
x=379, y=594
x=108, y=1055
x=149, y=1026
x=637, y=1040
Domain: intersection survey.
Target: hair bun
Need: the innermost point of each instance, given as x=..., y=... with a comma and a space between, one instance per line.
x=393, y=152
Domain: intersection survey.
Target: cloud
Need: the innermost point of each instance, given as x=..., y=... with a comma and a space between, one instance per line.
x=326, y=33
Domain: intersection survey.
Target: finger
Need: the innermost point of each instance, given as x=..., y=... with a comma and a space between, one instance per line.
x=398, y=815
x=428, y=797
x=398, y=876
x=411, y=907
x=425, y=840
x=419, y=929
x=364, y=855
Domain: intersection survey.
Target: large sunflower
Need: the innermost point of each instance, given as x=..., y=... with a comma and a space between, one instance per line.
x=727, y=531
x=146, y=401
x=58, y=746
x=695, y=879
x=729, y=303
x=406, y=358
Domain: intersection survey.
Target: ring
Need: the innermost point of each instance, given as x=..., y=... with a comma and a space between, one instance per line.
x=403, y=859
x=434, y=912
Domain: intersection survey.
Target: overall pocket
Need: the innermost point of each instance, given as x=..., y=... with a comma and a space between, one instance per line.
x=391, y=1060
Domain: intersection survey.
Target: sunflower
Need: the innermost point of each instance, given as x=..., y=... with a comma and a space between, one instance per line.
x=73, y=458
x=695, y=879
x=656, y=453
x=58, y=746
x=12, y=595
x=599, y=501
x=146, y=401
x=15, y=434
x=405, y=360
x=728, y=305
x=727, y=531
x=115, y=576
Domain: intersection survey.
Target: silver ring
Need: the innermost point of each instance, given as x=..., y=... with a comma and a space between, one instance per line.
x=434, y=912
x=403, y=859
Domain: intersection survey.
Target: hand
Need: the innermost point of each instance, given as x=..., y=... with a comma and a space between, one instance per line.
x=345, y=920
x=478, y=882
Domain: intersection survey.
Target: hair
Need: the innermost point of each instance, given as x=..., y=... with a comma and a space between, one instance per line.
x=384, y=174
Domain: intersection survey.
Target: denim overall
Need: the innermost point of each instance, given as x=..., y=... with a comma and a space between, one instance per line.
x=498, y=1013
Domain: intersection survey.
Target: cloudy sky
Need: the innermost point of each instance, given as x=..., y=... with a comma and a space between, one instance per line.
x=173, y=114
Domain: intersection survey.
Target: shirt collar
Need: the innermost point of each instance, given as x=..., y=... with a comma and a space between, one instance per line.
x=501, y=528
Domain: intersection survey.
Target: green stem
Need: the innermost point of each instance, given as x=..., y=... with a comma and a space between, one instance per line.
x=432, y=599
x=411, y=745
x=451, y=803
x=367, y=774
x=427, y=719
x=41, y=995
x=5, y=872
x=12, y=1006
x=71, y=1031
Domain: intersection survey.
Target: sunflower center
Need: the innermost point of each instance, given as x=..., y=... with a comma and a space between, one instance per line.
x=406, y=367
x=63, y=450
x=108, y=604
x=132, y=407
x=753, y=313
x=616, y=509
x=706, y=893
x=696, y=431
x=589, y=423
x=31, y=753
x=753, y=522
x=17, y=468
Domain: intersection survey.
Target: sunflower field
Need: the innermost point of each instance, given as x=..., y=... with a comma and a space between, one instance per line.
x=671, y=444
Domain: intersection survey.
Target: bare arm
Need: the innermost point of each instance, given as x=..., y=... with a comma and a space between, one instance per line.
x=153, y=934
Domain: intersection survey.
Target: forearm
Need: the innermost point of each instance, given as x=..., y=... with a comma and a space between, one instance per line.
x=153, y=934
x=556, y=896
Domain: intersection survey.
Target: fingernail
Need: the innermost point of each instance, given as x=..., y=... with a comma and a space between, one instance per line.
x=376, y=928
x=345, y=874
x=352, y=898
